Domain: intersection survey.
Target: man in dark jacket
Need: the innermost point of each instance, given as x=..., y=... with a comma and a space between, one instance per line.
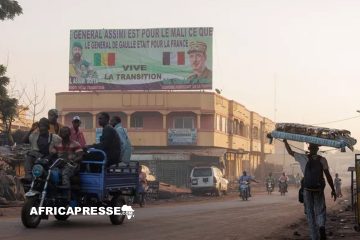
x=109, y=140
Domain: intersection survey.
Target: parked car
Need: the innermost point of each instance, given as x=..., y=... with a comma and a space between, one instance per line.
x=208, y=180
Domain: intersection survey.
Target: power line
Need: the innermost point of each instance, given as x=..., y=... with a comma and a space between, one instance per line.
x=340, y=120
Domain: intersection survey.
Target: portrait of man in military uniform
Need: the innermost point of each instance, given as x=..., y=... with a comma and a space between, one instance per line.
x=197, y=57
x=79, y=67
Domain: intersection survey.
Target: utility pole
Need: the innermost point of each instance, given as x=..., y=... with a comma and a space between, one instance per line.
x=275, y=107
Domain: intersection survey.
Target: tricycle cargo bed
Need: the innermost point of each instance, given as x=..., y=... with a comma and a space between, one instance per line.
x=121, y=178
x=109, y=181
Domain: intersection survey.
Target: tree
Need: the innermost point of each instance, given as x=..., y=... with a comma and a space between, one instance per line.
x=9, y=9
x=36, y=102
x=8, y=106
x=30, y=103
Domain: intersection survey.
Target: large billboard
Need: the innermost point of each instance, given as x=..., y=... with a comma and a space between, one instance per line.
x=141, y=59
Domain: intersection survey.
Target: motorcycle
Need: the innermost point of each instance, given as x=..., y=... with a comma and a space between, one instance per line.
x=244, y=190
x=269, y=187
x=282, y=188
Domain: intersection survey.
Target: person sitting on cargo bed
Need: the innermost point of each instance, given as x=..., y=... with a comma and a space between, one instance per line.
x=71, y=152
x=109, y=140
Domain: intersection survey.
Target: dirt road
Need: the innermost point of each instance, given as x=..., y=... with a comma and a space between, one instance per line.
x=229, y=218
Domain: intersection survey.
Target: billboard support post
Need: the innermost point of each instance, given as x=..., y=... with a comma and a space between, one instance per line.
x=357, y=199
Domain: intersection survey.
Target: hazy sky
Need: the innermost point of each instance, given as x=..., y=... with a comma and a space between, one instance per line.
x=311, y=48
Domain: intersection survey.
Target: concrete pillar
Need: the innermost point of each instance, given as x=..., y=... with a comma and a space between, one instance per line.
x=62, y=119
x=164, y=121
x=198, y=123
x=128, y=118
x=94, y=120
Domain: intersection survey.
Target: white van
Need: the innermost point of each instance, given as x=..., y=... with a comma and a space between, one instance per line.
x=208, y=180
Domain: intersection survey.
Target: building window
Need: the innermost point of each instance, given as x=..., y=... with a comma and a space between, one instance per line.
x=242, y=129
x=184, y=122
x=230, y=126
x=223, y=124
x=218, y=123
x=136, y=122
x=255, y=133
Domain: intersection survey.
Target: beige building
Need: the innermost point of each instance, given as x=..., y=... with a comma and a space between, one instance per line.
x=173, y=131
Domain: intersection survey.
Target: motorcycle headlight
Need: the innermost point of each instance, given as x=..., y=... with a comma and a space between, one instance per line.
x=37, y=170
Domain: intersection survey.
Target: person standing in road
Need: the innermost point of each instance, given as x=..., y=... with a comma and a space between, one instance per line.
x=337, y=182
x=313, y=167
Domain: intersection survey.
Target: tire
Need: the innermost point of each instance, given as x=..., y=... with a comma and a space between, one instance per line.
x=130, y=200
x=61, y=217
x=30, y=221
x=244, y=195
x=117, y=201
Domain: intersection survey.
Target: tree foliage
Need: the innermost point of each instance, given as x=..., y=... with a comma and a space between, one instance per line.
x=8, y=106
x=4, y=81
x=9, y=9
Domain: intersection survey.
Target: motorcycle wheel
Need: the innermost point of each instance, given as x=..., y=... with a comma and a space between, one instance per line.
x=30, y=221
x=244, y=195
x=117, y=201
x=62, y=217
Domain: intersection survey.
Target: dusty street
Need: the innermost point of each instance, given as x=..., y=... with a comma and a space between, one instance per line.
x=226, y=218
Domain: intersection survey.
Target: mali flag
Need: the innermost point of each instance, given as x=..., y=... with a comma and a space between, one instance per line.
x=104, y=59
x=173, y=58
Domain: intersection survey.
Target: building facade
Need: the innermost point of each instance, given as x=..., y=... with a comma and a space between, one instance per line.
x=172, y=132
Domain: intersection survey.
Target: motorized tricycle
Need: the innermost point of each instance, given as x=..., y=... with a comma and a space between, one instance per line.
x=95, y=186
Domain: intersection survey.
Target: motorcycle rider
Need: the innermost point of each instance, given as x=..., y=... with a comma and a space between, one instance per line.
x=270, y=179
x=283, y=180
x=247, y=178
x=41, y=143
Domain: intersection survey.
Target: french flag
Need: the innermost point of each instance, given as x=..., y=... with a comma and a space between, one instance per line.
x=173, y=58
